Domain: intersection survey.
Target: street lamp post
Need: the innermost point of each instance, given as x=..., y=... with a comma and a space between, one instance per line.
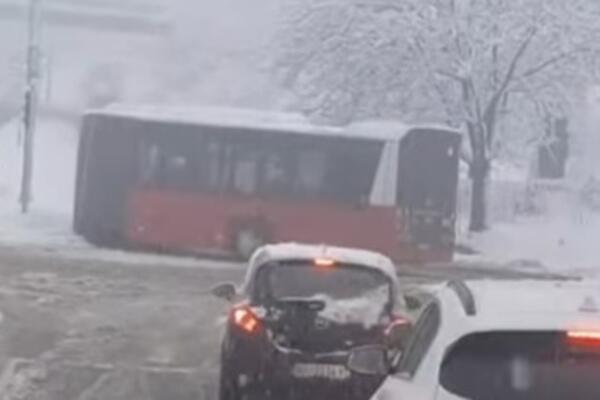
x=31, y=103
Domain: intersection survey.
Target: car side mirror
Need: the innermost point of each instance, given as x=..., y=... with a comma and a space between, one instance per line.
x=225, y=291
x=369, y=360
x=413, y=302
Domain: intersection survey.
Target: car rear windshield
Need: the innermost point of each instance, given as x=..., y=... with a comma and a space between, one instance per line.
x=522, y=366
x=305, y=280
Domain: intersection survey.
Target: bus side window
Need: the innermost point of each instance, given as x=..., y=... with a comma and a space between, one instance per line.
x=351, y=170
x=166, y=167
x=276, y=179
x=177, y=172
x=213, y=162
x=150, y=164
x=310, y=177
x=245, y=170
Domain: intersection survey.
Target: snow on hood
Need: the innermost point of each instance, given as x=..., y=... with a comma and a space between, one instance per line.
x=365, y=310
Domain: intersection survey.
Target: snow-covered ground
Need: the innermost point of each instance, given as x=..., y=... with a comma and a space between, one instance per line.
x=566, y=243
x=40, y=233
x=55, y=157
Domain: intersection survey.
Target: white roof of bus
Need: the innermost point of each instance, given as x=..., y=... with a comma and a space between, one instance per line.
x=296, y=251
x=260, y=119
x=391, y=129
x=225, y=117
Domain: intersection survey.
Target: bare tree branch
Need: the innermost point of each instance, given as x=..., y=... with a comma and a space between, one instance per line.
x=451, y=75
x=489, y=116
x=427, y=63
x=552, y=61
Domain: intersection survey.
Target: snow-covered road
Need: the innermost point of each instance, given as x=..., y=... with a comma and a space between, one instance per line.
x=66, y=301
x=98, y=312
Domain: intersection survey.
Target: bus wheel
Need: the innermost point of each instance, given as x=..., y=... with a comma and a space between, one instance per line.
x=247, y=240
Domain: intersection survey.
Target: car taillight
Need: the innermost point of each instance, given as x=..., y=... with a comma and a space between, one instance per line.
x=245, y=319
x=589, y=339
x=396, y=324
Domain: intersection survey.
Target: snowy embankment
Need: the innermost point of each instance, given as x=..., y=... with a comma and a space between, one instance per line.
x=43, y=233
x=536, y=224
x=565, y=243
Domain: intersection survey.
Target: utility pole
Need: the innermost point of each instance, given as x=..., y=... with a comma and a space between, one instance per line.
x=31, y=103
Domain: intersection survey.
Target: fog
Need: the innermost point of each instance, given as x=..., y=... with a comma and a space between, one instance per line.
x=227, y=47
x=455, y=141
x=211, y=53
x=229, y=26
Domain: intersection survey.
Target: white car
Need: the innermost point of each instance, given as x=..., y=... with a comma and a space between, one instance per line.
x=490, y=340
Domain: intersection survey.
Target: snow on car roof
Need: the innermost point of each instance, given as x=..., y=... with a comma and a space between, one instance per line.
x=528, y=304
x=296, y=251
x=262, y=120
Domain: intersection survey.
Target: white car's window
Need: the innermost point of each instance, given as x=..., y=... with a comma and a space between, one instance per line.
x=523, y=366
x=425, y=331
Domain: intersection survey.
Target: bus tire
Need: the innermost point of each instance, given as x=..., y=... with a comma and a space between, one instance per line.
x=246, y=241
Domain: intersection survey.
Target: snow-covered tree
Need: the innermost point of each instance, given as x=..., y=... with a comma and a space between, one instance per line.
x=469, y=63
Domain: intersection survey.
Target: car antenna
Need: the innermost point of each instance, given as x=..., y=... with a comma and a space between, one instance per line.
x=323, y=250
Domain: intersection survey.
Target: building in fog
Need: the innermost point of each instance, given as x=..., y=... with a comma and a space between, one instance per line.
x=93, y=51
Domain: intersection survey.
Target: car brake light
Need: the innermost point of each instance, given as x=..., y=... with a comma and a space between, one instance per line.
x=245, y=319
x=397, y=322
x=324, y=262
x=584, y=338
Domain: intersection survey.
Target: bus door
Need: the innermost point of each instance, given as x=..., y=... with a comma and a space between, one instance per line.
x=427, y=186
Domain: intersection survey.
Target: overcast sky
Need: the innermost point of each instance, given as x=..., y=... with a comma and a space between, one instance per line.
x=228, y=24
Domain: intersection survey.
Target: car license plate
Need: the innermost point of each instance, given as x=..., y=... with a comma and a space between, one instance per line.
x=323, y=371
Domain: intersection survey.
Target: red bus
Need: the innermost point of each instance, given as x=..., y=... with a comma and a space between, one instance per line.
x=219, y=181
